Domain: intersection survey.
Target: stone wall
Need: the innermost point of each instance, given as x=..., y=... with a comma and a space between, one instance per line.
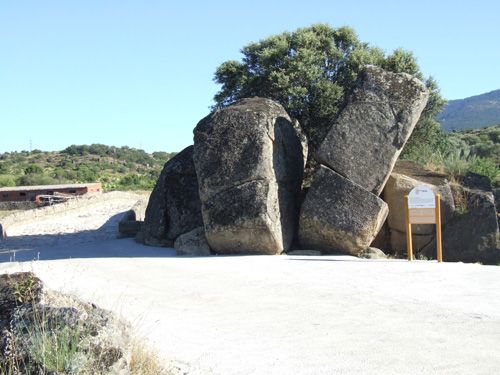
x=13, y=206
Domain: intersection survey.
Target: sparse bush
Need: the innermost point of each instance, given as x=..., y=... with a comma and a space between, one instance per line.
x=26, y=289
x=57, y=349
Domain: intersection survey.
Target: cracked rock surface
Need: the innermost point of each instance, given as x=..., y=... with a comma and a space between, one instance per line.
x=366, y=139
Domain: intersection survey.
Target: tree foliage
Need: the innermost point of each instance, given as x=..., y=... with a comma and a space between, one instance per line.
x=311, y=71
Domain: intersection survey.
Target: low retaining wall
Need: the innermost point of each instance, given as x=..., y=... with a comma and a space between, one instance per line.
x=12, y=206
x=73, y=204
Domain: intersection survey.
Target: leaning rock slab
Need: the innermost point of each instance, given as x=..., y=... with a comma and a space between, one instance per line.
x=249, y=160
x=174, y=206
x=366, y=139
x=339, y=215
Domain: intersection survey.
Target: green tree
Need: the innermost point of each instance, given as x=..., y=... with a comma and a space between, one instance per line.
x=311, y=71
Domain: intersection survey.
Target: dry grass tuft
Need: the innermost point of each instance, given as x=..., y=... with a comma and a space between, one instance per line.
x=144, y=361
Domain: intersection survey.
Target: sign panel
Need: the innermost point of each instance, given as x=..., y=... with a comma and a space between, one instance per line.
x=423, y=207
x=422, y=216
x=421, y=197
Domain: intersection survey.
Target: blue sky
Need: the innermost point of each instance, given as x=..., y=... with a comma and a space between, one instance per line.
x=139, y=73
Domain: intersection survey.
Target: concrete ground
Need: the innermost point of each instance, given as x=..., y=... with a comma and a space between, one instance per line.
x=296, y=315
x=276, y=314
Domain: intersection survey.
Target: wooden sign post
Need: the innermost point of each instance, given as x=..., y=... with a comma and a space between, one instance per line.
x=423, y=207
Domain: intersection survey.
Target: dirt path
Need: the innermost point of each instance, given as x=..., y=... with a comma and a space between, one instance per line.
x=88, y=224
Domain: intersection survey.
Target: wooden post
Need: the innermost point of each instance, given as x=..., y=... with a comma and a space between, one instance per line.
x=439, y=247
x=409, y=245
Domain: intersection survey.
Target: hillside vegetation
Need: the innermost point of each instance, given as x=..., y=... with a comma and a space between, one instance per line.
x=120, y=168
x=473, y=112
x=476, y=150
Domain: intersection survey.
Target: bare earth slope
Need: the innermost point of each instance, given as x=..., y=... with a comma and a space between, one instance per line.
x=289, y=315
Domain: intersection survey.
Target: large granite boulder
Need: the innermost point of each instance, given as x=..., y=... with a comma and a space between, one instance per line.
x=406, y=176
x=472, y=234
x=249, y=160
x=366, y=139
x=496, y=195
x=174, y=206
x=338, y=215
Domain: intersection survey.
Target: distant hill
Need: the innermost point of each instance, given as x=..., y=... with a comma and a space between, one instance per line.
x=471, y=113
x=120, y=168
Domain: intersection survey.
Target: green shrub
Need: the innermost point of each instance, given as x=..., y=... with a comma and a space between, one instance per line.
x=35, y=179
x=33, y=169
x=486, y=167
x=7, y=180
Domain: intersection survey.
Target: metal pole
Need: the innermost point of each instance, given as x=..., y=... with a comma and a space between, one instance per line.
x=409, y=245
x=439, y=247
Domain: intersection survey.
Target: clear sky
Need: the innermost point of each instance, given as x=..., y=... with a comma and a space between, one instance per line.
x=140, y=73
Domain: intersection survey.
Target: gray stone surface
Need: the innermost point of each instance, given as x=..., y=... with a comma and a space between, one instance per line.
x=249, y=160
x=174, y=206
x=129, y=228
x=192, y=243
x=398, y=242
x=139, y=209
x=383, y=239
x=373, y=253
x=405, y=177
x=339, y=215
x=366, y=139
x=472, y=234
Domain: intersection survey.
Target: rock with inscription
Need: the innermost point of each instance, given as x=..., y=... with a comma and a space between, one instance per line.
x=405, y=177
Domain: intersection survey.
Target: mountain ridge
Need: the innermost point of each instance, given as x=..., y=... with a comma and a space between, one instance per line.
x=473, y=112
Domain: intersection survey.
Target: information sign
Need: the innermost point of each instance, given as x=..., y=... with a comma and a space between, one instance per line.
x=423, y=207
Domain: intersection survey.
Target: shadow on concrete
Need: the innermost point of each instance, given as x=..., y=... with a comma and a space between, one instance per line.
x=350, y=259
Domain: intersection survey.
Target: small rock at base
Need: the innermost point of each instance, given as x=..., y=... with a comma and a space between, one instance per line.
x=373, y=253
x=192, y=243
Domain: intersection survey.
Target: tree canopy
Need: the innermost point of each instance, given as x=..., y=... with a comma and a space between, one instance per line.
x=311, y=71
